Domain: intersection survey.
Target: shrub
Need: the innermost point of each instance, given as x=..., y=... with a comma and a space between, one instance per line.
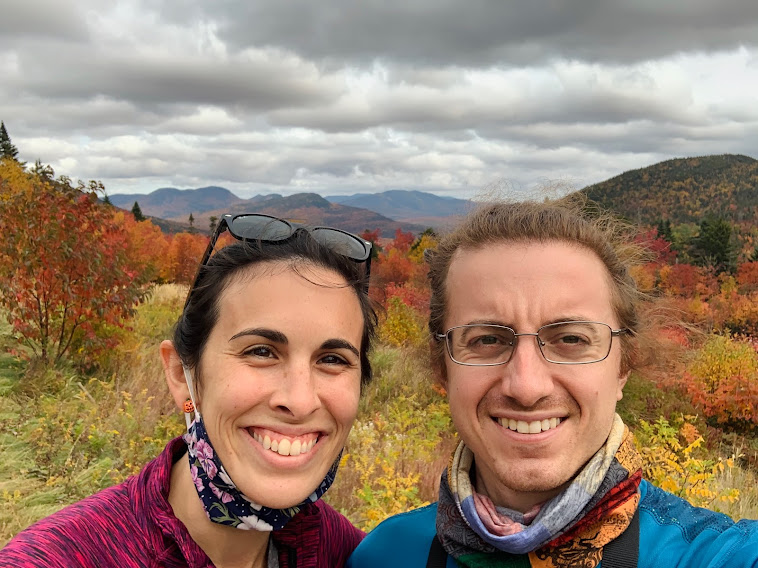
x=675, y=461
x=66, y=279
x=402, y=325
x=723, y=380
x=386, y=453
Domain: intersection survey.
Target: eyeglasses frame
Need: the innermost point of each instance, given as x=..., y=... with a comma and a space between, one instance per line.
x=446, y=338
x=228, y=218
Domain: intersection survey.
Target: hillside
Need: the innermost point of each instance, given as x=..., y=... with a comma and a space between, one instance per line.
x=312, y=209
x=169, y=202
x=684, y=190
x=405, y=205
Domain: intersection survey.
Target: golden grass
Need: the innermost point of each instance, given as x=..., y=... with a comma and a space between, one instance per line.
x=746, y=481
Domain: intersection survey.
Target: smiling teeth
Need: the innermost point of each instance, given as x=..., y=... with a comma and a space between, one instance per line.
x=523, y=427
x=285, y=447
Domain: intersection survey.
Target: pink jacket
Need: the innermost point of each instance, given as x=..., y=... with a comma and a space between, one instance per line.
x=132, y=526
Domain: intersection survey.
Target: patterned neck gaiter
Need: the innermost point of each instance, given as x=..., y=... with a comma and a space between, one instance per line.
x=569, y=530
x=223, y=502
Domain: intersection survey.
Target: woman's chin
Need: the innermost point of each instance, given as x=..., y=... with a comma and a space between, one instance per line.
x=280, y=491
x=287, y=500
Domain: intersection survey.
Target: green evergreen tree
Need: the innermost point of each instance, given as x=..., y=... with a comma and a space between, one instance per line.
x=191, y=223
x=107, y=200
x=7, y=149
x=43, y=171
x=664, y=230
x=213, y=220
x=714, y=246
x=137, y=212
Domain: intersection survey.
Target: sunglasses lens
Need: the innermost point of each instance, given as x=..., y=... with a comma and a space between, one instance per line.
x=260, y=227
x=342, y=243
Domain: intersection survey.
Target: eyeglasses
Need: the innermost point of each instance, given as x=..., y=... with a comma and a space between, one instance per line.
x=269, y=229
x=565, y=343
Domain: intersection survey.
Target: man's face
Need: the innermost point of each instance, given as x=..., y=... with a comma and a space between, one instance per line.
x=525, y=286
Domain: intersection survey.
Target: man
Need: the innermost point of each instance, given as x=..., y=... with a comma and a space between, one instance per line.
x=536, y=325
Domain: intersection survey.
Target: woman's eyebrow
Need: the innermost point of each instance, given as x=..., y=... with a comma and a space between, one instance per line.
x=270, y=334
x=340, y=344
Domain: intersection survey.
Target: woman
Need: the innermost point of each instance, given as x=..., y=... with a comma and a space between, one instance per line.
x=267, y=363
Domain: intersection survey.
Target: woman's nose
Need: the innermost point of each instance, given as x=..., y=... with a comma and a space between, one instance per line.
x=297, y=392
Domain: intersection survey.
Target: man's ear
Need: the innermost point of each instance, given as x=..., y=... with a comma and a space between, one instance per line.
x=174, y=372
x=439, y=370
x=622, y=382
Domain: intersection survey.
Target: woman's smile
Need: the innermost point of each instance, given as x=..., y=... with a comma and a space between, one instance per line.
x=282, y=444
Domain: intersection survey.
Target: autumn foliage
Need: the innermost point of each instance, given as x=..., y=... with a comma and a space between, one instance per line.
x=65, y=270
x=723, y=381
x=398, y=283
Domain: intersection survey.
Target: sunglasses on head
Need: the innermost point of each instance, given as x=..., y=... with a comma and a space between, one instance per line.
x=256, y=227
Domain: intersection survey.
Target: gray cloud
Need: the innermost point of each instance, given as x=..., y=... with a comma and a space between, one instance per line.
x=341, y=96
x=482, y=32
x=253, y=81
x=62, y=19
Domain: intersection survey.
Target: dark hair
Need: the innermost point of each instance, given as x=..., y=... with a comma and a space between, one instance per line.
x=201, y=312
x=568, y=220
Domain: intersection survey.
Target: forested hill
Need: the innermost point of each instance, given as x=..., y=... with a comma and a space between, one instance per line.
x=684, y=190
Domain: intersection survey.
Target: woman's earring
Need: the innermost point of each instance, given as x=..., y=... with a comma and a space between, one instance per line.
x=188, y=408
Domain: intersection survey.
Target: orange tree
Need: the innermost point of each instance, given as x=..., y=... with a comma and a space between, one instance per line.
x=184, y=253
x=65, y=277
x=146, y=243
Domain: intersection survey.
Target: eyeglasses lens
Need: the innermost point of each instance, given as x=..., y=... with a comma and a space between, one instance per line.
x=481, y=344
x=342, y=243
x=260, y=227
x=575, y=342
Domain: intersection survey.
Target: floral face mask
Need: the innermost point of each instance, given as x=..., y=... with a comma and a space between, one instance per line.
x=222, y=501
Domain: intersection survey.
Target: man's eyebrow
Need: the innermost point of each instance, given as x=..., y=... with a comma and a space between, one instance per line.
x=568, y=318
x=486, y=322
x=340, y=344
x=270, y=334
x=558, y=319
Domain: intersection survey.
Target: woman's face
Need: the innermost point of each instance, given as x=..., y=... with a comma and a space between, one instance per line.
x=280, y=379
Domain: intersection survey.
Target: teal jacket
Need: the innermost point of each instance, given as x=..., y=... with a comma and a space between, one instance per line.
x=673, y=534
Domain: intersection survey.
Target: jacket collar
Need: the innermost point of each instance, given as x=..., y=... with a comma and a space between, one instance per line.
x=172, y=543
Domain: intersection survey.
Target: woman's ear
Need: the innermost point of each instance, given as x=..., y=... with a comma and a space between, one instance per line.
x=172, y=368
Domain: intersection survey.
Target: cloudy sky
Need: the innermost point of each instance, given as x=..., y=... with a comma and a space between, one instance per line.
x=339, y=96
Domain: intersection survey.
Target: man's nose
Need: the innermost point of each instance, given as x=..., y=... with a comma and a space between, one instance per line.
x=527, y=377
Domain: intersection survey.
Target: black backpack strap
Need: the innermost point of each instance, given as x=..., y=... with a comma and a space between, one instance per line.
x=437, y=554
x=623, y=551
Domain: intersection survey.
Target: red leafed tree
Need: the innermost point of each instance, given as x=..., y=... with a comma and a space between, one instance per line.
x=64, y=270
x=403, y=241
x=657, y=246
x=397, y=267
x=184, y=254
x=747, y=276
x=146, y=243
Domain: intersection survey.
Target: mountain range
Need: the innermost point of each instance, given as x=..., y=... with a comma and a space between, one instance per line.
x=682, y=190
x=388, y=211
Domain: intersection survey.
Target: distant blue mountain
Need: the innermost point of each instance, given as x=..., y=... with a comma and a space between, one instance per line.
x=402, y=204
x=169, y=202
x=177, y=204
